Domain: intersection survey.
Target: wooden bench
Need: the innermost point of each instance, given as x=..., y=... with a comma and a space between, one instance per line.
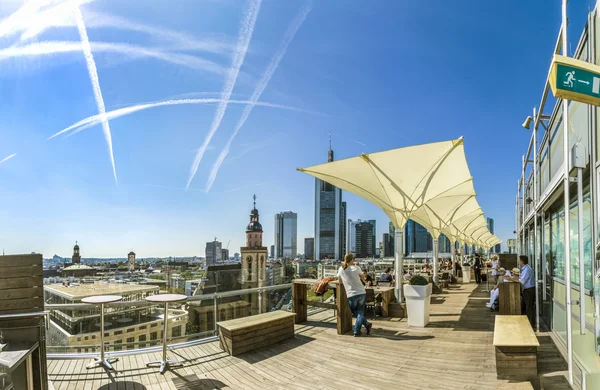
x=246, y=334
x=516, y=349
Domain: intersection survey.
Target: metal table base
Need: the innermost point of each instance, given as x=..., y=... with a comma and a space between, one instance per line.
x=106, y=363
x=164, y=364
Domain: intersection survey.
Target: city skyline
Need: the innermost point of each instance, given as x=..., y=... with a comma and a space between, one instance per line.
x=148, y=122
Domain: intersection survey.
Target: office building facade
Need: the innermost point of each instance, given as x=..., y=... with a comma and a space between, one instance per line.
x=286, y=235
x=388, y=245
x=365, y=247
x=213, y=252
x=548, y=214
x=416, y=238
x=309, y=248
x=351, y=236
x=490, y=226
x=343, y=230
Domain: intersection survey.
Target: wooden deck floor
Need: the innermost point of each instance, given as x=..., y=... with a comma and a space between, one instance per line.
x=454, y=351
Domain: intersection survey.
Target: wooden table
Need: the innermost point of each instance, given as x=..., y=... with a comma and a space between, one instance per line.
x=387, y=295
x=165, y=299
x=12, y=358
x=101, y=300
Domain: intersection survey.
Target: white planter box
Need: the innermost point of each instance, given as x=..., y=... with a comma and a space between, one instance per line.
x=418, y=299
x=466, y=270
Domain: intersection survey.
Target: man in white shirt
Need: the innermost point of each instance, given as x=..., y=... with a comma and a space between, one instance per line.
x=350, y=275
x=527, y=280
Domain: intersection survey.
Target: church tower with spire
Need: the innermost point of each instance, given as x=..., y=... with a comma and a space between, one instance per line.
x=254, y=261
x=76, y=258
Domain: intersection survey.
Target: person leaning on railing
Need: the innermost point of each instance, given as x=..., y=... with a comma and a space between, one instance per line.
x=351, y=276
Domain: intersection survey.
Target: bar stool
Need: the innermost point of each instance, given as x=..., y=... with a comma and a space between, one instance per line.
x=165, y=299
x=102, y=300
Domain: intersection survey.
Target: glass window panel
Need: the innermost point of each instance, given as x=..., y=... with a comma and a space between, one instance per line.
x=544, y=178
x=556, y=147
x=587, y=240
x=578, y=124
x=558, y=236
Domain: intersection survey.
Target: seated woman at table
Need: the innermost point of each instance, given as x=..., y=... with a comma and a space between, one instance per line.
x=386, y=276
x=495, y=293
x=367, y=280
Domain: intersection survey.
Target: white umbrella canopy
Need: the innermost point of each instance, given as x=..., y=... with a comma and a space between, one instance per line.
x=455, y=230
x=440, y=212
x=399, y=181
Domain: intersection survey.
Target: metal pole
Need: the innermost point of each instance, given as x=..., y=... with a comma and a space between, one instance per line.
x=166, y=318
x=435, y=259
x=215, y=314
x=102, y=333
x=535, y=226
x=567, y=243
x=398, y=255
x=580, y=239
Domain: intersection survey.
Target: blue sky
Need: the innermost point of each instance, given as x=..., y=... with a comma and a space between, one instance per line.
x=377, y=74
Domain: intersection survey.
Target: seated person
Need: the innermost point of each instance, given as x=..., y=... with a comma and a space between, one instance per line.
x=367, y=280
x=386, y=276
x=495, y=293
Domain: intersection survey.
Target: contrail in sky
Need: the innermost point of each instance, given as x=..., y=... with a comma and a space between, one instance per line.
x=5, y=159
x=56, y=47
x=246, y=30
x=262, y=84
x=97, y=119
x=15, y=21
x=93, y=72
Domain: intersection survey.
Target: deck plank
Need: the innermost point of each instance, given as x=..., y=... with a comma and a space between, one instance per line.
x=455, y=351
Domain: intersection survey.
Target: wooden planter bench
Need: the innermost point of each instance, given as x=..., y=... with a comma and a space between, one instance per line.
x=246, y=334
x=516, y=349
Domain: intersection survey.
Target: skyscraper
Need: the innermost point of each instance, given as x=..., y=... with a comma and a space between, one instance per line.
x=374, y=223
x=490, y=226
x=392, y=243
x=343, y=230
x=286, y=235
x=309, y=248
x=351, y=236
x=388, y=245
x=328, y=218
x=364, y=240
x=417, y=238
x=214, y=253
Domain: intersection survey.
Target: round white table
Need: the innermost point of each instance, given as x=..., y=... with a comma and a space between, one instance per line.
x=102, y=300
x=165, y=299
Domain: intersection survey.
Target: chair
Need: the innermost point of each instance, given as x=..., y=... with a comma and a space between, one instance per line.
x=382, y=283
x=445, y=281
x=370, y=300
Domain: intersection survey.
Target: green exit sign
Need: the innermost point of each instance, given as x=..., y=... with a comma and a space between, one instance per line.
x=575, y=80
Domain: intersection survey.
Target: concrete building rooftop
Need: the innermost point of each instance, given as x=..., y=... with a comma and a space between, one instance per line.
x=76, y=292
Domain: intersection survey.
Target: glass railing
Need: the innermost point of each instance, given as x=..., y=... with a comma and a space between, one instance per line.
x=134, y=324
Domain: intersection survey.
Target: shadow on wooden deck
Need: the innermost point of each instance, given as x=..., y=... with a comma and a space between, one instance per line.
x=123, y=385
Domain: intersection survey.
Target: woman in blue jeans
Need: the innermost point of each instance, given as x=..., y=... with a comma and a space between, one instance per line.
x=351, y=276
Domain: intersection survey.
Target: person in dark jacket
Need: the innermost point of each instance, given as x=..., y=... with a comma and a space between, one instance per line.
x=477, y=268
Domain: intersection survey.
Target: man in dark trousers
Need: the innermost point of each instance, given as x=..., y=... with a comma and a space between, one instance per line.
x=527, y=280
x=477, y=269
